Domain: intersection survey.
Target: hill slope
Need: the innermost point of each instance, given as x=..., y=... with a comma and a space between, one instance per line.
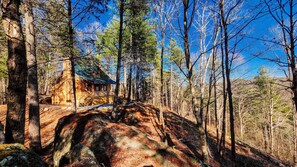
x=136, y=139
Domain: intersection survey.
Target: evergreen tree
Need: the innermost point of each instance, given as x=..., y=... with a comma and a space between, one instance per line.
x=32, y=90
x=139, y=44
x=17, y=72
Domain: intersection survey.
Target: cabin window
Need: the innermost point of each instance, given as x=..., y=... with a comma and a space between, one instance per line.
x=97, y=88
x=105, y=87
x=89, y=86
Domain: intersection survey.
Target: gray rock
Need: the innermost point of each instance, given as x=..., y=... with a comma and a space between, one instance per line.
x=81, y=155
x=71, y=130
x=18, y=155
x=2, y=137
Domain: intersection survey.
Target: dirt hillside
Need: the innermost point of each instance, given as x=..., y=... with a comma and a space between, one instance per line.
x=138, y=138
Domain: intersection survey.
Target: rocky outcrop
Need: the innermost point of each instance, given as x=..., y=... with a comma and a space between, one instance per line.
x=79, y=156
x=93, y=139
x=18, y=155
x=72, y=130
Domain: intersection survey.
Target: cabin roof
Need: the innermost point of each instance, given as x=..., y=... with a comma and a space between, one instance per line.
x=93, y=74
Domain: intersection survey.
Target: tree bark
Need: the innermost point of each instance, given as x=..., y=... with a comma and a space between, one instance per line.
x=208, y=101
x=171, y=96
x=32, y=90
x=17, y=72
x=125, y=81
x=194, y=105
x=71, y=47
x=229, y=89
x=271, y=127
x=138, y=94
x=119, y=61
x=223, y=135
x=240, y=116
x=161, y=72
x=130, y=82
x=288, y=43
x=215, y=101
x=130, y=71
x=162, y=101
x=294, y=72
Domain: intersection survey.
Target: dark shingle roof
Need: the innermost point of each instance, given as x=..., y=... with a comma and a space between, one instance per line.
x=93, y=74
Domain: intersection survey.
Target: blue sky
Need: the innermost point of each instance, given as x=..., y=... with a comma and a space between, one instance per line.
x=250, y=65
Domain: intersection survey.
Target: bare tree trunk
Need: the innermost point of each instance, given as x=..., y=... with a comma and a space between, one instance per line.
x=33, y=97
x=208, y=100
x=17, y=72
x=240, y=119
x=178, y=101
x=265, y=137
x=71, y=47
x=294, y=70
x=161, y=118
x=161, y=74
x=130, y=82
x=171, y=96
x=277, y=147
x=162, y=93
x=215, y=102
x=194, y=105
x=223, y=135
x=288, y=42
x=271, y=108
x=137, y=83
x=295, y=114
x=167, y=94
x=118, y=73
x=3, y=90
x=153, y=87
x=130, y=71
x=229, y=89
x=125, y=81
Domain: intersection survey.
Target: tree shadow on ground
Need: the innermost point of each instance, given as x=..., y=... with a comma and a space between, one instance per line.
x=144, y=118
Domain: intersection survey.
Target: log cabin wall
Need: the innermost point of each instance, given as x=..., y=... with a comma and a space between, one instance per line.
x=87, y=93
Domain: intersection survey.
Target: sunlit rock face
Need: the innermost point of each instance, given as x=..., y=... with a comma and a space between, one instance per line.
x=18, y=155
x=74, y=129
x=79, y=156
x=92, y=138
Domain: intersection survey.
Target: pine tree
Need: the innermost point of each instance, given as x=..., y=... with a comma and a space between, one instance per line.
x=17, y=72
x=32, y=90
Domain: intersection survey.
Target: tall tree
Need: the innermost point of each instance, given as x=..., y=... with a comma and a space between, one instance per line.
x=143, y=45
x=32, y=90
x=224, y=24
x=71, y=50
x=266, y=108
x=164, y=9
x=189, y=8
x=17, y=72
x=283, y=13
x=119, y=61
x=3, y=66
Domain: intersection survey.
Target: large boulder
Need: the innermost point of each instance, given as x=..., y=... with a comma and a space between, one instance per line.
x=72, y=129
x=18, y=155
x=86, y=135
x=79, y=156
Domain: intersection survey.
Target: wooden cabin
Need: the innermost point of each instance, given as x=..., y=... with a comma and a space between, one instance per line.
x=93, y=86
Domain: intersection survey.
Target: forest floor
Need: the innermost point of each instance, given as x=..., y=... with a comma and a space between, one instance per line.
x=182, y=133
